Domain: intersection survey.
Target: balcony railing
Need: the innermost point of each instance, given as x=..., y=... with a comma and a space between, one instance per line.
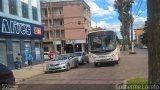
x=57, y=16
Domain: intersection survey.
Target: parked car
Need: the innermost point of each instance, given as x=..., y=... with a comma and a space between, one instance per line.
x=6, y=76
x=46, y=56
x=144, y=47
x=64, y=62
x=82, y=57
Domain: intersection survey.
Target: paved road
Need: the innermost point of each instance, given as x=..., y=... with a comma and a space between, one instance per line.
x=87, y=77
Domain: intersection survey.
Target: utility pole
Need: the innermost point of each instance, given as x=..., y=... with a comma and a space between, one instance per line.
x=124, y=38
x=132, y=41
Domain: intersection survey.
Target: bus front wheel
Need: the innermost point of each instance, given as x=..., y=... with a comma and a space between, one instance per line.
x=116, y=62
x=95, y=64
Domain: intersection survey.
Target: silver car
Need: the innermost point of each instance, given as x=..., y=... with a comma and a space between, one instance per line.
x=63, y=62
x=82, y=57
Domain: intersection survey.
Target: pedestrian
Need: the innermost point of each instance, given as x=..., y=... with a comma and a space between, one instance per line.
x=29, y=59
x=19, y=61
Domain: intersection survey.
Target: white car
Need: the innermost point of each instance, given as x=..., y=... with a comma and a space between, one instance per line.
x=63, y=62
x=144, y=47
x=46, y=56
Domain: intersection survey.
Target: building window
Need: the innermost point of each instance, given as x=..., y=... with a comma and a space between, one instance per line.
x=46, y=49
x=61, y=22
x=13, y=7
x=45, y=23
x=1, y=5
x=62, y=34
x=35, y=13
x=25, y=13
x=57, y=33
x=44, y=12
x=58, y=11
x=46, y=35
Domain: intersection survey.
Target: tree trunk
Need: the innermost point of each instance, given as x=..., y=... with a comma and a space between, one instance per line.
x=153, y=31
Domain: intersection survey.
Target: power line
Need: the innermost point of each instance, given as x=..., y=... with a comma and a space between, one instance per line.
x=140, y=13
x=139, y=6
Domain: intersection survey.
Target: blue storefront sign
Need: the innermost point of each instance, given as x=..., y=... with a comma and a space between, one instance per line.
x=12, y=27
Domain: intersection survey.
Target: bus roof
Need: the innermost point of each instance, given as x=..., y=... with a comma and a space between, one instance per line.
x=101, y=31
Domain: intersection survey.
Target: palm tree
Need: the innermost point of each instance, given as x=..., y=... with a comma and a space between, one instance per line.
x=153, y=30
x=123, y=8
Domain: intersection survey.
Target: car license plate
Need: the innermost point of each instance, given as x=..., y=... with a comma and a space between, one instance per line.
x=104, y=60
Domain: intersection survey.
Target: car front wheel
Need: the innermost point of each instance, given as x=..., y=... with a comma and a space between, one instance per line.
x=77, y=64
x=68, y=67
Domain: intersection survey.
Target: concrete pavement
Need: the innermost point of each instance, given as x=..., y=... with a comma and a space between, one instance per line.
x=27, y=72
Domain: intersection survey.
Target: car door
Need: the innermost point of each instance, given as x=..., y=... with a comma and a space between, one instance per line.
x=75, y=61
x=83, y=56
x=71, y=61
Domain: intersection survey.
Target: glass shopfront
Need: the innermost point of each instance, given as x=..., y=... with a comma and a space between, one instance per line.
x=16, y=49
x=19, y=37
x=27, y=49
x=3, y=55
x=38, y=52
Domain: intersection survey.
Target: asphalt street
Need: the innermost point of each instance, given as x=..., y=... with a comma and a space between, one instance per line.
x=87, y=77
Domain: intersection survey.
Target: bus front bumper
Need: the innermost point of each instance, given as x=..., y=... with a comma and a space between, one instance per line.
x=104, y=60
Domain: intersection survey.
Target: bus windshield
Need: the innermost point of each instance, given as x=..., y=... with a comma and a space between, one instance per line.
x=101, y=42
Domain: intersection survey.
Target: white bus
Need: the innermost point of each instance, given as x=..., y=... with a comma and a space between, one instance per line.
x=103, y=46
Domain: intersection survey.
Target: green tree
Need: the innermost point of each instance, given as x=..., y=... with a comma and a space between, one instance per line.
x=153, y=30
x=144, y=38
x=123, y=8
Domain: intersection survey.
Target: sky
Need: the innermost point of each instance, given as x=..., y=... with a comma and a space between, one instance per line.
x=103, y=14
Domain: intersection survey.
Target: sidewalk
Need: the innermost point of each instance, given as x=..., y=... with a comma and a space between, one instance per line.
x=26, y=72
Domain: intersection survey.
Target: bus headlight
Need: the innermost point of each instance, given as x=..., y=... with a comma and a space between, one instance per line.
x=91, y=56
x=113, y=55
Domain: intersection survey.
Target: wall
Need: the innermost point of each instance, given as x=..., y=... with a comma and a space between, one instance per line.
x=5, y=12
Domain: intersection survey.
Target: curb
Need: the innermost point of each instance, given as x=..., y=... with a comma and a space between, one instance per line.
x=23, y=79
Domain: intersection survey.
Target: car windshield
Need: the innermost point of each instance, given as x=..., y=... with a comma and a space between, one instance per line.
x=60, y=57
x=102, y=43
x=78, y=54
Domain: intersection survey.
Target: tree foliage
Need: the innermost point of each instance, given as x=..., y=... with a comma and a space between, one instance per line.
x=123, y=7
x=144, y=39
